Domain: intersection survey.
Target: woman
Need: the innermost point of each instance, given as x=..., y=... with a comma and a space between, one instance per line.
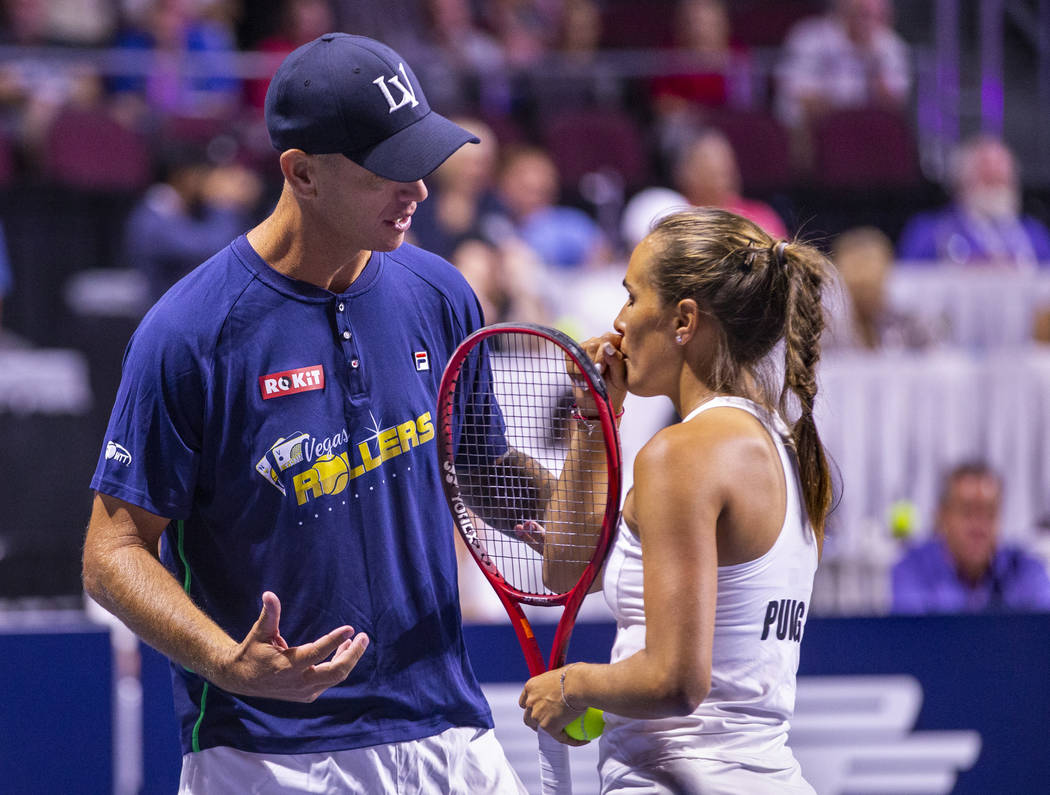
x=711, y=573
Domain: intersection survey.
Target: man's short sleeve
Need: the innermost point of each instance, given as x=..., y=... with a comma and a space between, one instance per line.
x=151, y=451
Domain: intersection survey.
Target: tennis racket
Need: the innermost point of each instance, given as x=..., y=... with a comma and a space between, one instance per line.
x=531, y=466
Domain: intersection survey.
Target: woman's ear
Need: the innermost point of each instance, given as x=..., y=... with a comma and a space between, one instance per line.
x=687, y=320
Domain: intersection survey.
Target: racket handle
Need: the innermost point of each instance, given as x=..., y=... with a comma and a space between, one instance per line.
x=555, y=776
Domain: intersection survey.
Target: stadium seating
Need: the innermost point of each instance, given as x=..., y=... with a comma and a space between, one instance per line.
x=869, y=148
x=88, y=149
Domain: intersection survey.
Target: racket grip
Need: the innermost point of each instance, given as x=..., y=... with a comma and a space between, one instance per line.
x=555, y=776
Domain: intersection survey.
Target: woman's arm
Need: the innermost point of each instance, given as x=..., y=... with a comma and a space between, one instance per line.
x=681, y=487
x=576, y=509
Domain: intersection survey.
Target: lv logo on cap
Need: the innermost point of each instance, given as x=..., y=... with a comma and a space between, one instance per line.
x=408, y=94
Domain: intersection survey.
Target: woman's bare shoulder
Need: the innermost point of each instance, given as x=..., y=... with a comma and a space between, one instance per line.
x=714, y=428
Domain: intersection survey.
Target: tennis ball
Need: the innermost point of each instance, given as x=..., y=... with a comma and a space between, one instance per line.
x=903, y=518
x=588, y=726
x=331, y=471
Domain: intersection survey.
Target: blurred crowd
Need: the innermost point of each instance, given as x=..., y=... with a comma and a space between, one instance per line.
x=729, y=104
x=596, y=117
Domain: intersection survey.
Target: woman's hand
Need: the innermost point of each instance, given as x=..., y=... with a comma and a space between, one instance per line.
x=544, y=708
x=605, y=353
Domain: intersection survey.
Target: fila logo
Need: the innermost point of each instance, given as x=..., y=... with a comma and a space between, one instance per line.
x=408, y=94
x=118, y=453
x=422, y=362
x=291, y=382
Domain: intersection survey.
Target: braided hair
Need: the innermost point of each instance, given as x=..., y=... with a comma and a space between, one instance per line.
x=760, y=290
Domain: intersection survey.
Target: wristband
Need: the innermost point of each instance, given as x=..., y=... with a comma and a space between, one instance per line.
x=564, y=700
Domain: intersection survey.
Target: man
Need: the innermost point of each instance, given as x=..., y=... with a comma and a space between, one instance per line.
x=984, y=224
x=850, y=57
x=193, y=209
x=274, y=435
x=964, y=568
x=528, y=186
x=863, y=318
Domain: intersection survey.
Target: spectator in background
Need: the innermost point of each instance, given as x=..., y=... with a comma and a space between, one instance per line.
x=963, y=568
x=462, y=195
x=300, y=21
x=720, y=74
x=506, y=279
x=6, y=279
x=580, y=32
x=706, y=173
x=709, y=71
x=87, y=23
x=34, y=88
x=574, y=76
x=464, y=63
x=1041, y=326
x=849, y=57
x=462, y=221
x=193, y=210
x=862, y=318
x=984, y=223
x=523, y=27
x=564, y=237
x=187, y=67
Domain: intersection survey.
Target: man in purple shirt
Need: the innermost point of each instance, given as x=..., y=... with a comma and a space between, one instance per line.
x=984, y=224
x=962, y=568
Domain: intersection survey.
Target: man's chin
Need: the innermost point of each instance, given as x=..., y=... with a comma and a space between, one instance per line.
x=389, y=245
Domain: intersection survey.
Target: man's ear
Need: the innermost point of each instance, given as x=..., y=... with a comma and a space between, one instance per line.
x=298, y=170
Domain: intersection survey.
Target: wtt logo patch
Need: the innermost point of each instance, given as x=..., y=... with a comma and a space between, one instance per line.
x=118, y=453
x=291, y=382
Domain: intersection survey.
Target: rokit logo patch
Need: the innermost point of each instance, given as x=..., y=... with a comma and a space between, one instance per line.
x=291, y=382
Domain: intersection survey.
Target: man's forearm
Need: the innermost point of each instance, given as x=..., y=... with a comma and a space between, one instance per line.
x=129, y=581
x=575, y=512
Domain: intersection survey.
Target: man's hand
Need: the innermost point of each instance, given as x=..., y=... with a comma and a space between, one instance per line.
x=264, y=665
x=532, y=533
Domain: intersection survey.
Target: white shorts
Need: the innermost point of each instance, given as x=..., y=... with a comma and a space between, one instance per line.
x=694, y=776
x=459, y=760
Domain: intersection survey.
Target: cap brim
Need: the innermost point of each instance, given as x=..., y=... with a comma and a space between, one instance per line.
x=415, y=151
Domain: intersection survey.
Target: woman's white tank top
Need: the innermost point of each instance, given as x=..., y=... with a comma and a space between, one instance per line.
x=760, y=617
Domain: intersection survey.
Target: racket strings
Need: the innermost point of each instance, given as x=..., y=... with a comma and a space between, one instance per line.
x=508, y=471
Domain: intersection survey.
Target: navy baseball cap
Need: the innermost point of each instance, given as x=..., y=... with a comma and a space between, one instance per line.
x=356, y=96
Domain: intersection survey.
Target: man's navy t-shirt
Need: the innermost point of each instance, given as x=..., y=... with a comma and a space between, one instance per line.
x=290, y=434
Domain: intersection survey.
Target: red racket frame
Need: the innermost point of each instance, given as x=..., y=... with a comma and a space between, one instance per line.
x=511, y=597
